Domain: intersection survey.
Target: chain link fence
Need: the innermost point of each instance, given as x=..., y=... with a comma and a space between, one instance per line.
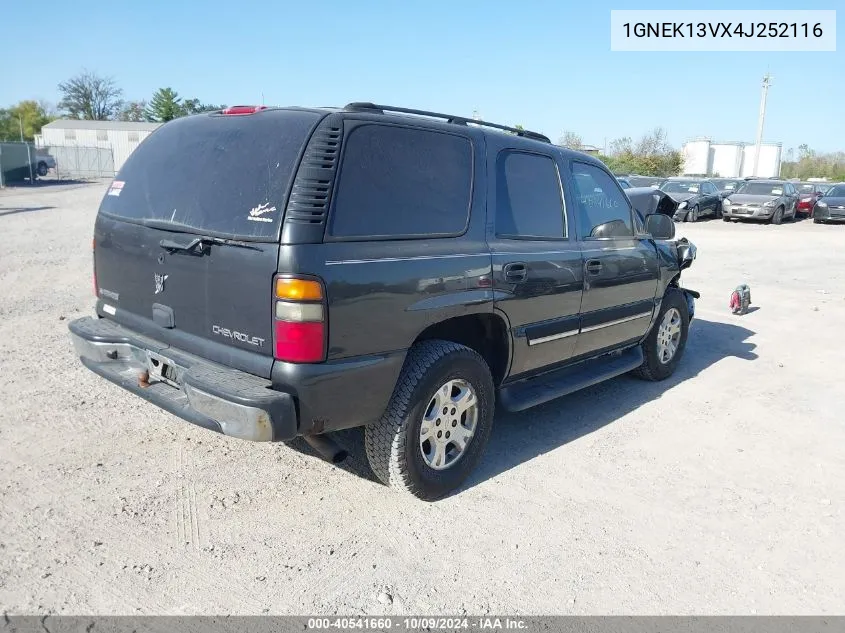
x=75, y=162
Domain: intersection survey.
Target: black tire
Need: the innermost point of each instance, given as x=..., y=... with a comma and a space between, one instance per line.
x=392, y=443
x=816, y=221
x=692, y=214
x=725, y=219
x=777, y=218
x=42, y=169
x=652, y=368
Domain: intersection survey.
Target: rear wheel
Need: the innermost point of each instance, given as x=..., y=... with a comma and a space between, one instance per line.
x=437, y=424
x=665, y=343
x=43, y=169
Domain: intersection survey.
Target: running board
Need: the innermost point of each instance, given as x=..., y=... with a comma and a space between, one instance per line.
x=533, y=391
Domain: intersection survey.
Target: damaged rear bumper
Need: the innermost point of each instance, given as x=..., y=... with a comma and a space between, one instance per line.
x=218, y=398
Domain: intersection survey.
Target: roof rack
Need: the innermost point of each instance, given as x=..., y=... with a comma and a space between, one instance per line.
x=363, y=106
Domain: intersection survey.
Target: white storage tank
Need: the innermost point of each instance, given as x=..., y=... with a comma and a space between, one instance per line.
x=696, y=156
x=726, y=160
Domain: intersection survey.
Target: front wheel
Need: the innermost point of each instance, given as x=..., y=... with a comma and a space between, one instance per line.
x=665, y=343
x=692, y=214
x=437, y=424
x=777, y=218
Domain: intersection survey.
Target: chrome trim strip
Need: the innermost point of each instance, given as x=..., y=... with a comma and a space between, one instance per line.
x=403, y=259
x=552, y=337
x=642, y=315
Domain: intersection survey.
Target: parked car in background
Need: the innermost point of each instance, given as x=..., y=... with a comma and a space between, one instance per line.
x=696, y=198
x=808, y=195
x=831, y=206
x=770, y=200
x=727, y=185
x=44, y=163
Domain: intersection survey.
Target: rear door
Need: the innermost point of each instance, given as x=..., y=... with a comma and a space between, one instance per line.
x=537, y=271
x=186, y=241
x=621, y=267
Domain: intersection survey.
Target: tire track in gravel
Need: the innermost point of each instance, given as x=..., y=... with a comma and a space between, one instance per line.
x=190, y=563
x=190, y=523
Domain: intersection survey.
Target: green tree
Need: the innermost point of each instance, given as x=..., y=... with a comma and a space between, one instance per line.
x=133, y=111
x=164, y=106
x=90, y=96
x=28, y=116
x=571, y=140
x=650, y=156
x=193, y=106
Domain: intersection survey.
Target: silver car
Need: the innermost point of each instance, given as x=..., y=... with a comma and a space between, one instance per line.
x=771, y=200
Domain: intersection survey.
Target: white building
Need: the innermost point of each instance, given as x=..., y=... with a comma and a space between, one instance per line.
x=702, y=156
x=121, y=137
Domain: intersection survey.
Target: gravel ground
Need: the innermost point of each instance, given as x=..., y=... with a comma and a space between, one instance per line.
x=719, y=491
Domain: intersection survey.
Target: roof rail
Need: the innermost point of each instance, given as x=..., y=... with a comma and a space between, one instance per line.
x=362, y=106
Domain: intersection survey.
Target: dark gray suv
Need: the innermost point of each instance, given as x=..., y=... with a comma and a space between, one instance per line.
x=270, y=273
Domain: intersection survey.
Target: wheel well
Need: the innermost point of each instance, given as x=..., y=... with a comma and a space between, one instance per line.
x=487, y=334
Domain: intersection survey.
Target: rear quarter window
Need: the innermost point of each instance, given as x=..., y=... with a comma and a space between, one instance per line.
x=398, y=182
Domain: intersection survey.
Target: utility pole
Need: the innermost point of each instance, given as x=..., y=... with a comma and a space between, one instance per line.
x=767, y=81
x=475, y=115
x=20, y=123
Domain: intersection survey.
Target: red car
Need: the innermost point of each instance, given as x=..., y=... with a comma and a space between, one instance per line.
x=808, y=195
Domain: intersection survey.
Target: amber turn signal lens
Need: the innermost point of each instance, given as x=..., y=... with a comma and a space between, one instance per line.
x=299, y=289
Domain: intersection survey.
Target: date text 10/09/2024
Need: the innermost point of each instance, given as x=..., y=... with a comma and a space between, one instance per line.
x=413, y=623
x=722, y=29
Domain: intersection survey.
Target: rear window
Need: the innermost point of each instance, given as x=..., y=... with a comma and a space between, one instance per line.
x=224, y=175
x=400, y=182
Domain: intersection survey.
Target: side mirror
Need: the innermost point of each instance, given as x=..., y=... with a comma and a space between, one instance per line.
x=659, y=226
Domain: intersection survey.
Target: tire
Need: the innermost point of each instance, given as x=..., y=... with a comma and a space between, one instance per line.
x=725, y=219
x=42, y=169
x=653, y=368
x=692, y=214
x=394, y=444
x=816, y=221
x=777, y=218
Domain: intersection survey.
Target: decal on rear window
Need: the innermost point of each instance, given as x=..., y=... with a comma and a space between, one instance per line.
x=256, y=212
x=116, y=187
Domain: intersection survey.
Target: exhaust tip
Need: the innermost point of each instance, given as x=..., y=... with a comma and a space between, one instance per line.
x=327, y=448
x=339, y=456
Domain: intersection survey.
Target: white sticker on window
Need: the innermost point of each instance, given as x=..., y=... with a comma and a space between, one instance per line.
x=777, y=192
x=116, y=187
x=256, y=212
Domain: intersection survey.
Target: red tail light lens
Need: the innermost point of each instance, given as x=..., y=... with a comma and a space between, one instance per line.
x=241, y=109
x=299, y=320
x=299, y=342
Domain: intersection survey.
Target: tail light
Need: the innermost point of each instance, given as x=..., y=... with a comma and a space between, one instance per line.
x=299, y=320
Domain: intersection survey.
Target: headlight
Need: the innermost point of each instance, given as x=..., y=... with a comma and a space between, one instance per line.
x=683, y=205
x=770, y=203
x=822, y=204
x=726, y=202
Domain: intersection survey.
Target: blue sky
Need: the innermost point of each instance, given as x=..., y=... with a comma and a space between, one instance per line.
x=544, y=64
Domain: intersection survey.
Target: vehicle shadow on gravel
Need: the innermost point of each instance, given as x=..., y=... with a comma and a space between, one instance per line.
x=520, y=437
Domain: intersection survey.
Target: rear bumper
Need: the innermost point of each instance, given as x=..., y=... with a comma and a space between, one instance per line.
x=218, y=398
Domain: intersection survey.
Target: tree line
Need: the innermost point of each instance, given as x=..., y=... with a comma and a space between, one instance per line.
x=810, y=164
x=651, y=155
x=94, y=97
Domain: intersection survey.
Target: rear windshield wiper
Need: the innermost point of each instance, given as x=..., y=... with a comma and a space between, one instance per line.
x=198, y=244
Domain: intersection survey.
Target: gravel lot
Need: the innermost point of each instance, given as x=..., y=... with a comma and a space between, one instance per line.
x=718, y=491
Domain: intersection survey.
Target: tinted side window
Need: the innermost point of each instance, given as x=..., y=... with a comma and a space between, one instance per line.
x=397, y=182
x=528, y=196
x=603, y=210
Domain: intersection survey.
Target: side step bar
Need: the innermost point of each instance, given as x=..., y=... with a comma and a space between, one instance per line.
x=533, y=391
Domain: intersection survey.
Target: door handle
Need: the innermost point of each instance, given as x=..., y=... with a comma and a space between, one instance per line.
x=593, y=266
x=515, y=272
